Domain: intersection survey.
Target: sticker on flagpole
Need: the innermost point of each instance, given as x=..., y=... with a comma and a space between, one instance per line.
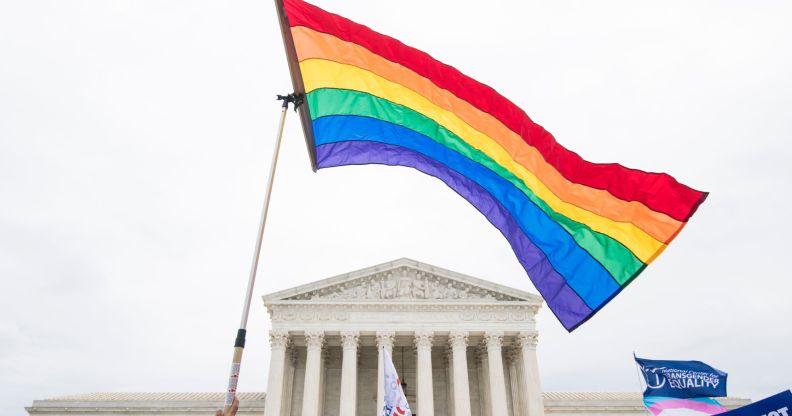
x=232, y=384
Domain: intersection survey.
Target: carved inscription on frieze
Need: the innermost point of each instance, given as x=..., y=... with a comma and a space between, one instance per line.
x=310, y=315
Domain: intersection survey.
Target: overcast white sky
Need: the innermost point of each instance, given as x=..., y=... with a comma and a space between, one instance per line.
x=135, y=138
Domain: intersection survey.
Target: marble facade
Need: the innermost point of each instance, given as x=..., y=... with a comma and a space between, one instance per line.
x=464, y=346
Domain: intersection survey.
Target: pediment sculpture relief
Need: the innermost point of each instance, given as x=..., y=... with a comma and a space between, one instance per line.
x=403, y=284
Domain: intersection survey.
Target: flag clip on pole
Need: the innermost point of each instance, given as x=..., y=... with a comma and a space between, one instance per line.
x=239, y=343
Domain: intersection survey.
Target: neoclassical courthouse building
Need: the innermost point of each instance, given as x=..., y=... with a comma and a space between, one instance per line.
x=462, y=346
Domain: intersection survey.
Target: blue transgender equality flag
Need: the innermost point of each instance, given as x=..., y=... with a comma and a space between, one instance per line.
x=682, y=388
x=395, y=401
x=682, y=379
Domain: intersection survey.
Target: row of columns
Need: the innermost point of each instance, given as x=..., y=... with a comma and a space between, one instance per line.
x=522, y=361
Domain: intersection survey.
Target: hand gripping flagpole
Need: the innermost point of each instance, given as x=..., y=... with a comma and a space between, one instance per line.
x=239, y=344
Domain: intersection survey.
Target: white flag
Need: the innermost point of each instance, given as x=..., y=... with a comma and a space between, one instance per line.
x=395, y=402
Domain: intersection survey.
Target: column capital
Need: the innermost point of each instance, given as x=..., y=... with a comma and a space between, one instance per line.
x=528, y=339
x=385, y=339
x=458, y=339
x=423, y=339
x=493, y=339
x=314, y=339
x=349, y=339
x=278, y=338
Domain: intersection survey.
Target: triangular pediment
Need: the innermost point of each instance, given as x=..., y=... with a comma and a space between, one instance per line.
x=403, y=280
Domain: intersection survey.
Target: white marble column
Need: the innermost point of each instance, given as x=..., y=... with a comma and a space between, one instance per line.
x=313, y=369
x=288, y=389
x=349, y=343
x=458, y=341
x=448, y=357
x=325, y=360
x=384, y=340
x=483, y=381
x=530, y=385
x=279, y=341
x=497, y=381
x=513, y=363
x=425, y=391
x=521, y=381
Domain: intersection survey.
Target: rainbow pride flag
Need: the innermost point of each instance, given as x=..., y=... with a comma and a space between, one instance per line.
x=581, y=230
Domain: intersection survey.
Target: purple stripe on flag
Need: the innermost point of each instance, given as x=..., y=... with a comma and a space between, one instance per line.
x=561, y=299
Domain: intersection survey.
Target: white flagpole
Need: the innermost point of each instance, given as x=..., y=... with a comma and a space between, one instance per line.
x=640, y=385
x=239, y=344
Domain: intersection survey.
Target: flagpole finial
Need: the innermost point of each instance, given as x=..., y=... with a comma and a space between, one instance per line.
x=294, y=98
